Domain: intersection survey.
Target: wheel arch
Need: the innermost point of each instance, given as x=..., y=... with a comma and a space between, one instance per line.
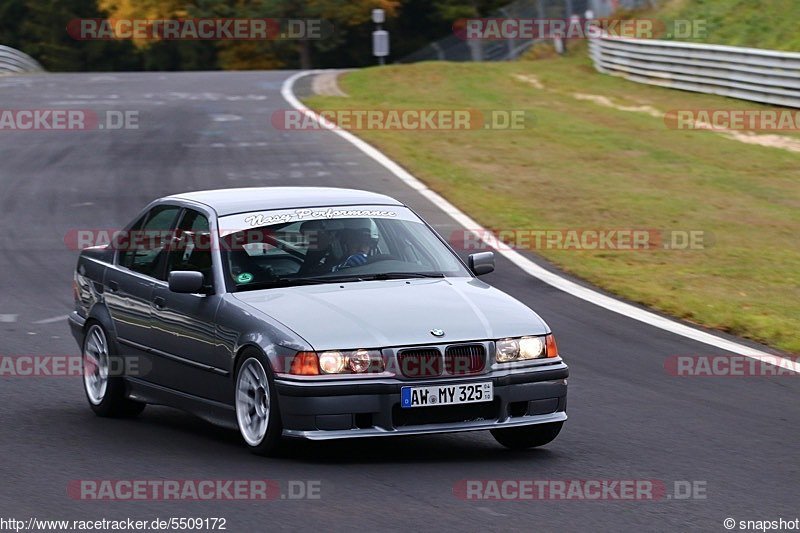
x=240, y=352
x=99, y=313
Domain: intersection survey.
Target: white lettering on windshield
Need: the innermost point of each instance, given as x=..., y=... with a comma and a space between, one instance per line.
x=306, y=214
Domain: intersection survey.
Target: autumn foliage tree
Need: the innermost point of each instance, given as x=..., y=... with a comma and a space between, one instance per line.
x=38, y=28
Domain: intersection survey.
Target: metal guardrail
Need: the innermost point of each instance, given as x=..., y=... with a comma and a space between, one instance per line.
x=766, y=76
x=12, y=60
x=453, y=48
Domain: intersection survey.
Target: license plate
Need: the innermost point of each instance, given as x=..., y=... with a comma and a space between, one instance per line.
x=446, y=394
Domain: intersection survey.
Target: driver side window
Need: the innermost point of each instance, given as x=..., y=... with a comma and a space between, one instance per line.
x=192, y=249
x=148, y=241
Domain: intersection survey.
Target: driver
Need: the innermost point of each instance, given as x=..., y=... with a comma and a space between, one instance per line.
x=358, y=242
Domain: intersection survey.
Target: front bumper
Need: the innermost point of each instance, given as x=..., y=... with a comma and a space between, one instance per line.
x=356, y=408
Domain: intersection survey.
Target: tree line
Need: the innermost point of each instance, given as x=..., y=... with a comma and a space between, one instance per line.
x=39, y=28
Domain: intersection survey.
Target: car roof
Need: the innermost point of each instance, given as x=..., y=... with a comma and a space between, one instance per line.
x=243, y=200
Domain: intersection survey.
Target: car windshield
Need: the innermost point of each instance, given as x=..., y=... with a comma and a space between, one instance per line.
x=327, y=245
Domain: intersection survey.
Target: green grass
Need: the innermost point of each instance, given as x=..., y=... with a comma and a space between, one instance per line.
x=768, y=24
x=582, y=165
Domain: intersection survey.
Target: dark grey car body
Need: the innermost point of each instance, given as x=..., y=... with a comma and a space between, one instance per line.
x=188, y=345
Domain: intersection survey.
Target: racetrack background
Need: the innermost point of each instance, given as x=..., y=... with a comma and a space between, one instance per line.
x=629, y=417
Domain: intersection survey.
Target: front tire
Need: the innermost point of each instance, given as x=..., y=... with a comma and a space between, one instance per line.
x=525, y=437
x=105, y=393
x=256, y=401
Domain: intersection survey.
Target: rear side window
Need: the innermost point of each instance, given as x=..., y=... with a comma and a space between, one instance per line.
x=148, y=241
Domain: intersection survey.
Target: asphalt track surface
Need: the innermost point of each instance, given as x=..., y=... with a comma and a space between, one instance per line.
x=629, y=419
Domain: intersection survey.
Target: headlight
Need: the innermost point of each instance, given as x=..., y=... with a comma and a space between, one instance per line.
x=507, y=350
x=337, y=362
x=331, y=362
x=360, y=361
x=531, y=347
x=525, y=348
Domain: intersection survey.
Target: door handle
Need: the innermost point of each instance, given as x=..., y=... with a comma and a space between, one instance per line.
x=113, y=286
x=159, y=302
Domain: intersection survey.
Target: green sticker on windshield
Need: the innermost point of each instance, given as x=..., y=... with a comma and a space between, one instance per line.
x=244, y=277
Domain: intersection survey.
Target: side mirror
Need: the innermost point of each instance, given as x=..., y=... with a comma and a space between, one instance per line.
x=481, y=263
x=186, y=282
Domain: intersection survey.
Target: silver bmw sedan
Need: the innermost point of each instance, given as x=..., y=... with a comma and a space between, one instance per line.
x=314, y=313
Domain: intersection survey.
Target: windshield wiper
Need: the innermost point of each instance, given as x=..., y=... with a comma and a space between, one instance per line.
x=273, y=283
x=402, y=275
x=289, y=282
x=320, y=280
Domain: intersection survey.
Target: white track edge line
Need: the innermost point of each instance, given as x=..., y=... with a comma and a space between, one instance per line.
x=525, y=264
x=52, y=320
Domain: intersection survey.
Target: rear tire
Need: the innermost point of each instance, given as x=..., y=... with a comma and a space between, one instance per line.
x=256, y=401
x=525, y=437
x=105, y=393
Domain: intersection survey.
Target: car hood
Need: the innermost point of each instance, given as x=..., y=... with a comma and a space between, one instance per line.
x=374, y=314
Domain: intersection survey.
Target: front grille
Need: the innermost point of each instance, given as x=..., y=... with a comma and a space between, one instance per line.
x=420, y=362
x=449, y=414
x=465, y=359
x=458, y=360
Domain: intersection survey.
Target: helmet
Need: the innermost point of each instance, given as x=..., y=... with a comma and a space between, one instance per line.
x=359, y=232
x=364, y=225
